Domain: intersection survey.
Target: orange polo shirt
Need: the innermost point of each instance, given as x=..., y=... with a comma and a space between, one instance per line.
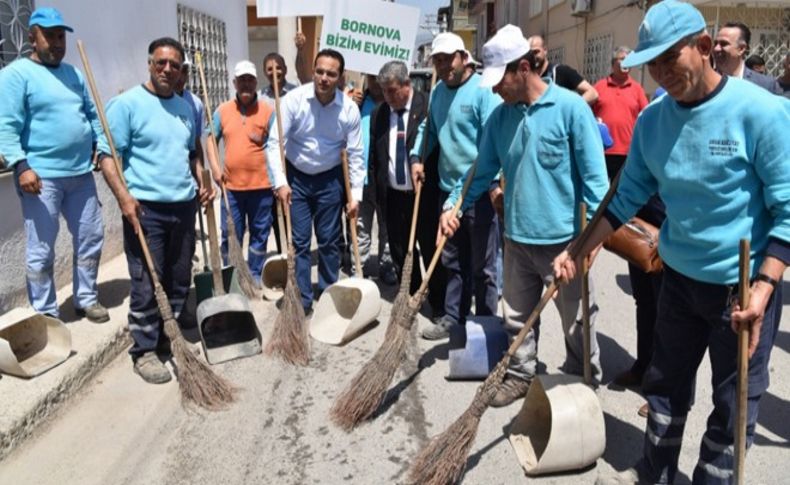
x=245, y=131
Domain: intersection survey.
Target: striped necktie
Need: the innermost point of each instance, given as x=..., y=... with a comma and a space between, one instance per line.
x=400, y=150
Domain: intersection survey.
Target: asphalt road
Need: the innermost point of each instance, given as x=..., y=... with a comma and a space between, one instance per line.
x=123, y=431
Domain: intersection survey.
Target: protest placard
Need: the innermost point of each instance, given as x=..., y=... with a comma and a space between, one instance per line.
x=290, y=8
x=370, y=32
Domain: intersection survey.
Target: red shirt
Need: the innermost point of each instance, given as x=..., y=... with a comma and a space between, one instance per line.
x=618, y=106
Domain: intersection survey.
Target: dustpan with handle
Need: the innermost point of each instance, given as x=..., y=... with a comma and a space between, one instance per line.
x=204, y=281
x=348, y=306
x=225, y=322
x=275, y=269
x=32, y=343
x=560, y=426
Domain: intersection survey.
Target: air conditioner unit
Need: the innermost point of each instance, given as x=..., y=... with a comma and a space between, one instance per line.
x=581, y=8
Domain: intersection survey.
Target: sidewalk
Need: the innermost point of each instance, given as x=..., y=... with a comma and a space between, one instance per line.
x=27, y=403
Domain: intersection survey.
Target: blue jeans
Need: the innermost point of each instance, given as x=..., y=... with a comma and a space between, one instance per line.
x=316, y=202
x=694, y=317
x=250, y=209
x=75, y=198
x=169, y=230
x=470, y=260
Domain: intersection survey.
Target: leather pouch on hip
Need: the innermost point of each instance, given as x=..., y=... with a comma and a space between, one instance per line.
x=636, y=241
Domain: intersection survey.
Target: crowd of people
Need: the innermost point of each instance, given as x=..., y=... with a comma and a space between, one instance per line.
x=707, y=162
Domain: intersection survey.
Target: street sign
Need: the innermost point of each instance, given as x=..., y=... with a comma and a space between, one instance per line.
x=370, y=33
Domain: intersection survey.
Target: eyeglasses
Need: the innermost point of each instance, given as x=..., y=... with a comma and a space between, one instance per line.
x=161, y=63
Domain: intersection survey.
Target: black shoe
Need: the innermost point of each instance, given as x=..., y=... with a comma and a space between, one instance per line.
x=388, y=276
x=628, y=378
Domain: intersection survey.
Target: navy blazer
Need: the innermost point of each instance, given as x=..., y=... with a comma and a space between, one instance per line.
x=765, y=82
x=378, y=161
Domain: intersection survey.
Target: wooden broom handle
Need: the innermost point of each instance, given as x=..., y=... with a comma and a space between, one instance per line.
x=213, y=242
x=418, y=188
x=108, y=134
x=352, y=221
x=586, y=341
x=286, y=208
x=742, y=384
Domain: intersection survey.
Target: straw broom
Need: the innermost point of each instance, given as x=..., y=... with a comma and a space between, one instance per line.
x=198, y=384
x=366, y=391
x=247, y=283
x=288, y=340
x=443, y=460
x=401, y=298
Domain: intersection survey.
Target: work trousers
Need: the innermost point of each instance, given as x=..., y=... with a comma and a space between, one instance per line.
x=470, y=260
x=694, y=317
x=528, y=269
x=169, y=230
x=250, y=209
x=75, y=198
x=645, y=288
x=400, y=205
x=367, y=209
x=316, y=202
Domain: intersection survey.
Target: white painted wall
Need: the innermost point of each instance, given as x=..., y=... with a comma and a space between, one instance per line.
x=116, y=34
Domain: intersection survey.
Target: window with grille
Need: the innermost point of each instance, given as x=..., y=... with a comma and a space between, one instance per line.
x=597, y=57
x=201, y=32
x=556, y=55
x=14, y=17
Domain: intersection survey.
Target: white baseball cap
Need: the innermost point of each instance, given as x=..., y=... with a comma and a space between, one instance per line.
x=503, y=48
x=245, y=67
x=450, y=43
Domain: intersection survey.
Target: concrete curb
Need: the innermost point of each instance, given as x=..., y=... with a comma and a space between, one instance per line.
x=26, y=404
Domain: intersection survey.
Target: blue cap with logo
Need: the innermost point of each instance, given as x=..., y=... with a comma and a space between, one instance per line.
x=48, y=17
x=665, y=24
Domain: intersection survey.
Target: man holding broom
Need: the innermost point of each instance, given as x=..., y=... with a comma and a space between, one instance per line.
x=546, y=141
x=243, y=124
x=48, y=129
x=318, y=121
x=458, y=112
x=153, y=132
x=721, y=182
x=393, y=131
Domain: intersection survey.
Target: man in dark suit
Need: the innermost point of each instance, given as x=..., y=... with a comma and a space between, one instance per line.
x=393, y=129
x=729, y=51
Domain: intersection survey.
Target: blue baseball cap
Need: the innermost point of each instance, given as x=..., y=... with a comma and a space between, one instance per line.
x=48, y=17
x=665, y=24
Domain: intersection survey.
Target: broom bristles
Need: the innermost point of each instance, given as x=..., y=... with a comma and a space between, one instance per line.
x=366, y=391
x=247, y=283
x=443, y=460
x=289, y=340
x=198, y=384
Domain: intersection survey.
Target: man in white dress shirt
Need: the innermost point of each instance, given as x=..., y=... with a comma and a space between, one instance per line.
x=318, y=121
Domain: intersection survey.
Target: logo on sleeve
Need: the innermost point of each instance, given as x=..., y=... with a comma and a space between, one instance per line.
x=723, y=147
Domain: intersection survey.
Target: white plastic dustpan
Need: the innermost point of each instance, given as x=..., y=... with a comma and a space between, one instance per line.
x=344, y=310
x=274, y=276
x=31, y=343
x=560, y=426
